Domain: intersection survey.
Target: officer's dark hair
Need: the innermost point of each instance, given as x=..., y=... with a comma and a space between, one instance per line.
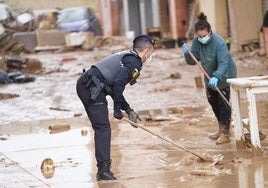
x=202, y=23
x=142, y=42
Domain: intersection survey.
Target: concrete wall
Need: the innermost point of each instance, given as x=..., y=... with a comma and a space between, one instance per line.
x=216, y=12
x=50, y=4
x=246, y=19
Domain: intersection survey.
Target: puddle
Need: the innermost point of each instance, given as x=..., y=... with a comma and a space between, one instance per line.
x=139, y=159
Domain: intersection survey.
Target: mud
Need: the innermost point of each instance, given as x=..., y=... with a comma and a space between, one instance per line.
x=139, y=158
x=7, y=96
x=170, y=105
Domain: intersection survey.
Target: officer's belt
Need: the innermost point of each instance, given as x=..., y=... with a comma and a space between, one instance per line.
x=92, y=79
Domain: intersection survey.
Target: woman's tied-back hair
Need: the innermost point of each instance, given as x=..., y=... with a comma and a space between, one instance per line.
x=202, y=23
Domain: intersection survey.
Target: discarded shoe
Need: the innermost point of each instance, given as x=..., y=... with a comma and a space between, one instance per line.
x=104, y=172
x=223, y=138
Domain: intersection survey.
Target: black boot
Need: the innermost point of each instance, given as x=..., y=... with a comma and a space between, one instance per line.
x=104, y=172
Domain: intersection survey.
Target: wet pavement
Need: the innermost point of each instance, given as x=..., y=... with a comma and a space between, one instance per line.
x=180, y=113
x=139, y=159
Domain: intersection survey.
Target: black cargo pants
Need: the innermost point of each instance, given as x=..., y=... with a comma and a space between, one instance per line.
x=98, y=115
x=221, y=110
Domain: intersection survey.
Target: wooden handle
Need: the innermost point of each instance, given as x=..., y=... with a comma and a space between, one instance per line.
x=169, y=141
x=208, y=77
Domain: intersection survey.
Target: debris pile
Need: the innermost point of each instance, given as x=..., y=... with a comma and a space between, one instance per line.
x=15, y=70
x=9, y=45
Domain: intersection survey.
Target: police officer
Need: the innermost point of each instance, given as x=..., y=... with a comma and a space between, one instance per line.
x=109, y=77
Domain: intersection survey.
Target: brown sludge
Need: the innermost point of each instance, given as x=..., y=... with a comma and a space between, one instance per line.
x=204, y=158
x=134, y=152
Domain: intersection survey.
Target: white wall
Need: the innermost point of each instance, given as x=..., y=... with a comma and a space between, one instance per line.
x=216, y=12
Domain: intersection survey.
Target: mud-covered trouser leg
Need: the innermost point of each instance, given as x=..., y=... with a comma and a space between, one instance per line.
x=97, y=112
x=221, y=110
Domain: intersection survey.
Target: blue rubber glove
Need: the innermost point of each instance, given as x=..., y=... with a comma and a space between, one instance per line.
x=213, y=81
x=185, y=48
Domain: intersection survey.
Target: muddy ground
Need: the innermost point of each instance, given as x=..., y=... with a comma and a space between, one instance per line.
x=166, y=94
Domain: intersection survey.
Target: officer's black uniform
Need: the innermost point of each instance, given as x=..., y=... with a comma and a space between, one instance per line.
x=97, y=110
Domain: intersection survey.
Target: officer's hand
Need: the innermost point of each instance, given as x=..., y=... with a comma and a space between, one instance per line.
x=213, y=81
x=185, y=48
x=133, y=116
x=118, y=113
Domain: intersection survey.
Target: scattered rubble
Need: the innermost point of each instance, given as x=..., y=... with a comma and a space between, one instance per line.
x=4, y=136
x=59, y=128
x=14, y=77
x=8, y=95
x=84, y=132
x=47, y=168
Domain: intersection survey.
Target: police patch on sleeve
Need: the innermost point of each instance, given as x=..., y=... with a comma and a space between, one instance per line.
x=134, y=75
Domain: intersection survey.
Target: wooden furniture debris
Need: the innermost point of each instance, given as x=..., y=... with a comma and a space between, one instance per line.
x=251, y=86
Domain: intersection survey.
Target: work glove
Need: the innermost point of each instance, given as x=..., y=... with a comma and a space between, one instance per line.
x=133, y=116
x=117, y=112
x=185, y=48
x=213, y=81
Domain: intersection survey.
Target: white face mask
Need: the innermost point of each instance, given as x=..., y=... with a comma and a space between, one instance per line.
x=204, y=40
x=149, y=59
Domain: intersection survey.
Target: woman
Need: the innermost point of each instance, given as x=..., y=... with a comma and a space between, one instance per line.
x=211, y=49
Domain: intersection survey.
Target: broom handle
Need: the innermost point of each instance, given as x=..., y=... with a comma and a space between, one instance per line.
x=208, y=77
x=169, y=141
